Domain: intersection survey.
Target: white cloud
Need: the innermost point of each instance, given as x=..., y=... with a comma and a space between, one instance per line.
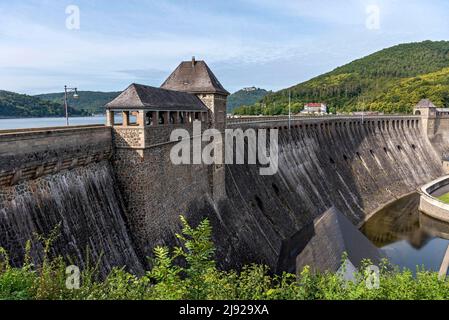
x=34, y=47
x=271, y=43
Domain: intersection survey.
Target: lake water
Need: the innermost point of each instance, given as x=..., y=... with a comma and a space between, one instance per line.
x=22, y=123
x=408, y=237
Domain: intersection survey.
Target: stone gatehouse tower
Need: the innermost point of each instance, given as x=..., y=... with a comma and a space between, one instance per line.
x=142, y=118
x=196, y=78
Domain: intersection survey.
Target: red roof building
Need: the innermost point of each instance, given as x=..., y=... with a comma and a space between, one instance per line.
x=315, y=108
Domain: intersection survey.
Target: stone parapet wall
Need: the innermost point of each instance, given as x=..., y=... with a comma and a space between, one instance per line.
x=161, y=134
x=147, y=137
x=382, y=122
x=431, y=205
x=128, y=137
x=29, y=154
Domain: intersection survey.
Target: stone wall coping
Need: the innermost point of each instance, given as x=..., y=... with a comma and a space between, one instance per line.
x=434, y=185
x=51, y=129
x=29, y=154
x=35, y=133
x=431, y=205
x=230, y=121
x=261, y=119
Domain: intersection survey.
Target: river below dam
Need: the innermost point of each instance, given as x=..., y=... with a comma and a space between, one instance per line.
x=408, y=237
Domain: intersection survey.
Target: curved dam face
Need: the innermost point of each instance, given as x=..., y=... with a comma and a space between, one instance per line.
x=62, y=178
x=354, y=166
x=84, y=207
x=115, y=202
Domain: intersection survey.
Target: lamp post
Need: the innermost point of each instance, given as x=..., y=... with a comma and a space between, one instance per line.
x=66, y=100
x=363, y=110
x=289, y=110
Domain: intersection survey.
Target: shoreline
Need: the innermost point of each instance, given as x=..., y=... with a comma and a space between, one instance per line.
x=49, y=117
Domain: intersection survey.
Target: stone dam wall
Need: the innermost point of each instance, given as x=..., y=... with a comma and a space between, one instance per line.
x=156, y=192
x=355, y=166
x=30, y=154
x=122, y=202
x=62, y=178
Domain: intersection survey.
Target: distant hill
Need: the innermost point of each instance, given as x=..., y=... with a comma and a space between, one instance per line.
x=247, y=96
x=21, y=106
x=91, y=101
x=94, y=102
x=390, y=80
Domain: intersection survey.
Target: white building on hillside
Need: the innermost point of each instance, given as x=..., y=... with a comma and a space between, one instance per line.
x=315, y=108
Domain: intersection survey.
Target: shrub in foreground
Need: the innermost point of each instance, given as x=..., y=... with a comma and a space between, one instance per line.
x=197, y=277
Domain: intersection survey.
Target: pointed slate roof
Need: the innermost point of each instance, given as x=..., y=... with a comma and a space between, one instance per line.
x=138, y=96
x=425, y=103
x=195, y=77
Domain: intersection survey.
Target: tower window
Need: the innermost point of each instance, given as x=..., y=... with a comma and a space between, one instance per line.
x=161, y=118
x=149, y=118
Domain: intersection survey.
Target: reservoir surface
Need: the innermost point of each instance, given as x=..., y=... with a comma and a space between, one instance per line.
x=408, y=237
x=21, y=123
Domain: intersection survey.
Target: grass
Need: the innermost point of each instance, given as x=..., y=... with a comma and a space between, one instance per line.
x=444, y=198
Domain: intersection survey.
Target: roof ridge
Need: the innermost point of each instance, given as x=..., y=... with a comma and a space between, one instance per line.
x=426, y=102
x=135, y=87
x=165, y=89
x=144, y=96
x=194, y=78
x=211, y=74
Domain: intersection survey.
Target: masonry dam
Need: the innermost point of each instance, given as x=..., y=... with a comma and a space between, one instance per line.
x=113, y=193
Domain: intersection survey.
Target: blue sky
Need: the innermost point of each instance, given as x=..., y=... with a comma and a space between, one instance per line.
x=269, y=44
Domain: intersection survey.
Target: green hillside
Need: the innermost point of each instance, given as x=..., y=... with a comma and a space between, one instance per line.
x=391, y=80
x=90, y=101
x=246, y=96
x=21, y=106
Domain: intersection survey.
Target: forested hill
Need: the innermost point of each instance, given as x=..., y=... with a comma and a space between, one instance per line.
x=391, y=80
x=91, y=101
x=21, y=106
x=247, y=96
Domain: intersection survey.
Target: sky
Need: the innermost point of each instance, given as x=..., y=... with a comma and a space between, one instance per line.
x=104, y=45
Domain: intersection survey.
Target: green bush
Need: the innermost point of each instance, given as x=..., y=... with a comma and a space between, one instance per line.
x=190, y=272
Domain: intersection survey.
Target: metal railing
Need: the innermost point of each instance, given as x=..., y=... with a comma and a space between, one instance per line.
x=261, y=119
